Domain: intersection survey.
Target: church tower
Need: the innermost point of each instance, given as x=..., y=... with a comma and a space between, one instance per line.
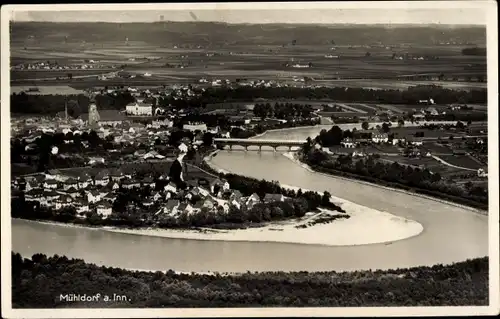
x=93, y=113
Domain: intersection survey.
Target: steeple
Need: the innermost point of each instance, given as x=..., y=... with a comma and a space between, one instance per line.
x=93, y=114
x=66, y=109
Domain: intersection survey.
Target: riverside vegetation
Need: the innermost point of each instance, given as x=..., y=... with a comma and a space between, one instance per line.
x=370, y=169
x=39, y=281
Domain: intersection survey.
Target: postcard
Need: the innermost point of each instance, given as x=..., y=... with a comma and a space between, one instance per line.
x=250, y=159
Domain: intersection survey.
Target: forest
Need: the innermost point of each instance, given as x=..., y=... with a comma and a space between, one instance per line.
x=410, y=96
x=39, y=281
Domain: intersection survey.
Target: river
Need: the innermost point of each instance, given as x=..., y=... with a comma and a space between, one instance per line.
x=450, y=233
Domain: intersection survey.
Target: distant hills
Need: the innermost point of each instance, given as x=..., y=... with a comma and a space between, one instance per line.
x=220, y=34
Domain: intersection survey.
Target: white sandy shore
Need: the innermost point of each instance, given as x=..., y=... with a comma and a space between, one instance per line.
x=342, y=232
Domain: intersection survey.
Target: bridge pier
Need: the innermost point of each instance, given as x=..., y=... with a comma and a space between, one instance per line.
x=289, y=148
x=230, y=147
x=275, y=148
x=246, y=148
x=260, y=148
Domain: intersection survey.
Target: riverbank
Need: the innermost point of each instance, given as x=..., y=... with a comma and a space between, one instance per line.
x=294, y=158
x=346, y=232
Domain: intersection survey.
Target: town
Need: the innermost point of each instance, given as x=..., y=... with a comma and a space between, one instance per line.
x=242, y=159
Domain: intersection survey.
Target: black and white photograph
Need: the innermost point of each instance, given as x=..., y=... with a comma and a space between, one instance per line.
x=250, y=159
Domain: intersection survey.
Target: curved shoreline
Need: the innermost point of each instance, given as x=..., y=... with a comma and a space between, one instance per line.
x=308, y=168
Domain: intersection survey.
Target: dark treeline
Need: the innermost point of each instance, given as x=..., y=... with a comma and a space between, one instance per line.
x=50, y=104
x=38, y=283
x=53, y=103
x=474, y=51
x=409, y=96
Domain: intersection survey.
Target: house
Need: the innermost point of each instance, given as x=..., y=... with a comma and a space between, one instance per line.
x=36, y=194
x=70, y=183
x=482, y=173
x=380, y=138
x=252, y=200
x=93, y=196
x=139, y=108
x=171, y=206
x=73, y=192
x=114, y=185
x=116, y=175
x=63, y=201
x=56, y=175
x=428, y=101
x=51, y=195
x=84, y=180
x=236, y=195
x=157, y=196
x=186, y=208
x=153, y=155
x=148, y=203
x=269, y=198
x=102, y=178
x=202, y=127
x=358, y=154
x=416, y=141
x=30, y=185
x=103, y=192
x=95, y=160
x=432, y=111
x=209, y=203
x=104, y=209
x=130, y=184
x=82, y=207
x=418, y=116
x=348, y=143
x=396, y=141
x=166, y=123
x=50, y=184
x=148, y=181
x=109, y=198
x=170, y=187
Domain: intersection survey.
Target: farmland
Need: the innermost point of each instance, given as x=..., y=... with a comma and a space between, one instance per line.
x=183, y=52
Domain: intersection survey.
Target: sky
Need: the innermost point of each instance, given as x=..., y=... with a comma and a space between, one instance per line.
x=279, y=13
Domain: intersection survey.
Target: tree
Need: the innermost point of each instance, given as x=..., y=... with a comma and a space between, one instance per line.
x=401, y=123
x=70, y=76
x=385, y=127
x=208, y=139
x=365, y=125
x=325, y=199
x=74, y=109
x=460, y=125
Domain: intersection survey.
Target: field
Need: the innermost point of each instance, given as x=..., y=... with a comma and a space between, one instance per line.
x=186, y=52
x=425, y=162
x=42, y=90
x=408, y=132
x=462, y=161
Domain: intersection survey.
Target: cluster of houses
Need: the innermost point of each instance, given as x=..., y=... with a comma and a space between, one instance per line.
x=380, y=138
x=86, y=194
x=48, y=65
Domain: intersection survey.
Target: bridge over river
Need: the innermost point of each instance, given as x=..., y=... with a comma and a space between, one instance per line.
x=257, y=142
